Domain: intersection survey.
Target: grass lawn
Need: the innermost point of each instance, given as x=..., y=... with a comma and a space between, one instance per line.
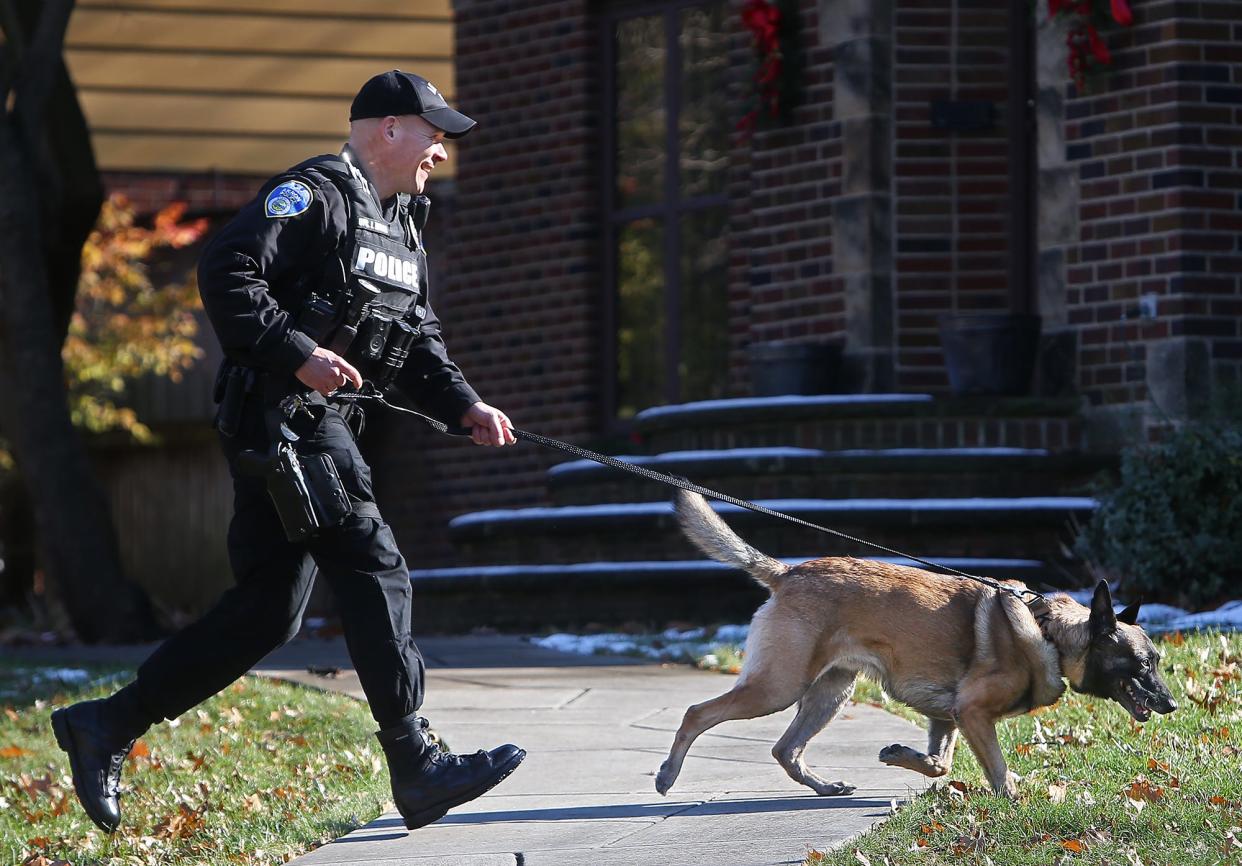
x=1097, y=787
x=260, y=773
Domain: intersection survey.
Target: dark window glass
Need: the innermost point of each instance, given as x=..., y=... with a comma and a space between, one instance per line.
x=640, y=324
x=641, y=59
x=670, y=131
x=703, y=123
x=704, y=360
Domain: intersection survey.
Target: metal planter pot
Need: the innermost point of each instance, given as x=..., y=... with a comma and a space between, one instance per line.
x=990, y=353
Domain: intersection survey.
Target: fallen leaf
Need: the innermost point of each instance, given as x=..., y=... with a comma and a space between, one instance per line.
x=14, y=752
x=1073, y=845
x=1141, y=789
x=861, y=858
x=140, y=749
x=1056, y=792
x=11, y=713
x=184, y=824
x=33, y=787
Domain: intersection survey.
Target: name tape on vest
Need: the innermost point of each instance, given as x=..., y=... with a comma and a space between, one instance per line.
x=385, y=266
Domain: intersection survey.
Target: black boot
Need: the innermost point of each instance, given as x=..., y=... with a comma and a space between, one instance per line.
x=98, y=735
x=427, y=782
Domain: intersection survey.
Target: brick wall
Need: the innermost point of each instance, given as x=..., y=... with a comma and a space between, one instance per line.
x=211, y=192
x=520, y=293
x=1155, y=147
x=783, y=180
x=860, y=221
x=950, y=187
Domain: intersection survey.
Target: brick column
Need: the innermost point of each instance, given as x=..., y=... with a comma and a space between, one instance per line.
x=1057, y=209
x=860, y=34
x=1152, y=266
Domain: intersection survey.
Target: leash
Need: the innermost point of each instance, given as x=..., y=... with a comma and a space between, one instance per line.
x=1034, y=600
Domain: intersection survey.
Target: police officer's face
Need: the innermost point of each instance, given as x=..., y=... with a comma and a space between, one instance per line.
x=421, y=149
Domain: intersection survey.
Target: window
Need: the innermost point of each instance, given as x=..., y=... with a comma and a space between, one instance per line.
x=668, y=130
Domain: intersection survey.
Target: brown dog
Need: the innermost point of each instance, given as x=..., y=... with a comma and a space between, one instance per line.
x=956, y=650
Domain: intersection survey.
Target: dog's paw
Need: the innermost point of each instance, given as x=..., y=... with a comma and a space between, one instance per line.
x=898, y=755
x=664, y=779
x=834, y=789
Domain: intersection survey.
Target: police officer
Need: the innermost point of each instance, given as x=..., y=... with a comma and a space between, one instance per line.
x=316, y=286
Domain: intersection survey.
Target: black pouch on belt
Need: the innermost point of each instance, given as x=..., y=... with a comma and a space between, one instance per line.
x=232, y=385
x=306, y=490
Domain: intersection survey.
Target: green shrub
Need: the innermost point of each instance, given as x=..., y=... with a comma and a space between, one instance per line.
x=1172, y=528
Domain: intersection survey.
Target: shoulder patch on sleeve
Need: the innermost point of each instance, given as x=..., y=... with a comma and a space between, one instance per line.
x=288, y=198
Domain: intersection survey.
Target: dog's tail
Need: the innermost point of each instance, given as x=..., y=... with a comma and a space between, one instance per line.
x=710, y=534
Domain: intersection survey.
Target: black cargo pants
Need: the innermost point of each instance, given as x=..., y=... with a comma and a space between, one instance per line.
x=274, y=576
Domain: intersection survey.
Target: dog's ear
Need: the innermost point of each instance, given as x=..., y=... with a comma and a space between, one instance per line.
x=1130, y=615
x=1103, y=620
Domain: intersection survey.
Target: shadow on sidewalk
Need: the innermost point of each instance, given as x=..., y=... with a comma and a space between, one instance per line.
x=748, y=806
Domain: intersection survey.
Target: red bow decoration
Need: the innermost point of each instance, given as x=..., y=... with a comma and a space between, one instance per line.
x=1086, y=45
x=763, y=19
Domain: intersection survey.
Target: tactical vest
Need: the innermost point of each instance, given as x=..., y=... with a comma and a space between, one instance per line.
x=371, y=299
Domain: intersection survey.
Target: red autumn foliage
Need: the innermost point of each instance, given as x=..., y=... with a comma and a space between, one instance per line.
x=1086, y=46
x=763, y=19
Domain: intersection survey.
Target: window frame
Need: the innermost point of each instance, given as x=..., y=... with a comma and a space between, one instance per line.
x=669, y=211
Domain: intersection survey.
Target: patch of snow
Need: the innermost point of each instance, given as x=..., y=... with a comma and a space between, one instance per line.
x=942, y=452
x=669, y=457
x=743, y=403
x=1228, y=617
x=1164, y=617
x=828, y=506
x=732, y=633
x=63, y=675
x=689, y=565
x=691, y=456
x=1158, y=614
x=671, y=644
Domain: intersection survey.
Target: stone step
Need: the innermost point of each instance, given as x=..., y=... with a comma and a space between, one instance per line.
x=1026, y=527
x=843, y=421
x=568, y=595
x=785, y=472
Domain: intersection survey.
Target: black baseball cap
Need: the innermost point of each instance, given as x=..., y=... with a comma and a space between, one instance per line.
x=397, y=93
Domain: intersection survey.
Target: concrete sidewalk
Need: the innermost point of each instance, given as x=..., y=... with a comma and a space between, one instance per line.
x=596, y=730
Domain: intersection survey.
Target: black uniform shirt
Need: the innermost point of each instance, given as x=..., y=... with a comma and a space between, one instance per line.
x=257, y=271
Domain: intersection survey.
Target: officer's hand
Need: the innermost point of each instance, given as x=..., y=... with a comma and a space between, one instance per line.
x=488, y=425
x=325, y=371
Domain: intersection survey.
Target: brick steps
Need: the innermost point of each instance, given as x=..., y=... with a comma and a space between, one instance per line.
x=750, y=473
x=928, y=527
x=962, y=481
x=577, y=594
x=844, y=421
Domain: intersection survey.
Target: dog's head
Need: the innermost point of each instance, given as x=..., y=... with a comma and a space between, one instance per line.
x=1121, y=662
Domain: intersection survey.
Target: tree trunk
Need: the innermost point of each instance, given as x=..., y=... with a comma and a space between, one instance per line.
x=71, y=513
